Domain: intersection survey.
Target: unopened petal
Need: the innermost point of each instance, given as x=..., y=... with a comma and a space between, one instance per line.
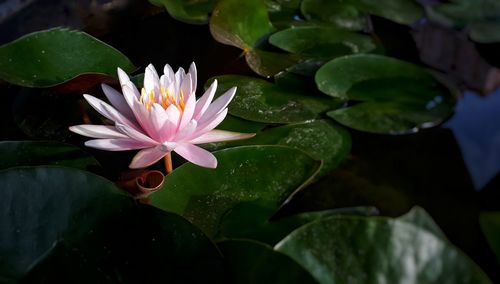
x=97, y=131
x=219, y=136
x=196, y=155
x=147, y=157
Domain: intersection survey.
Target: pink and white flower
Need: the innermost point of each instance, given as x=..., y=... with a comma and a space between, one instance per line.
x=165, y=116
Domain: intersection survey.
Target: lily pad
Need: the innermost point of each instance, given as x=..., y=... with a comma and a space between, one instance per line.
x=419, y=217
x=337, y=76
x=191, y=12
x=352, y=14
x=35, y=153
x=321, y=42
x=243, y=174
x=269, y=63
x=377, y=250
x=252, y=221
x=261, y=101
x=254, y=262
x=240, y=23
x=51, y=57
x=319, y=138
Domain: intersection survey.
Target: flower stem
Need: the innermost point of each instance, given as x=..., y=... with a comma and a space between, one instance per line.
x=168, y=163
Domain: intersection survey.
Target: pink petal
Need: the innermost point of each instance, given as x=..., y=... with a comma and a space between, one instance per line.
x=118, y=101
x=159, y=118
x=170, y=127
x=218, y=105
x=123, y=77
x=186, y=87
x=179, y=76
x=151, y=80
x=146, y=157
x=108, y=111
x=194, y=74
x=169, y=72
x=119, y=144
x=97, y=131
x=219, y=136
x=142, y=115
x=186, y=131
x=188, y=112
x=136, y=135
x=196, y=155
x=209, y=125
x=205, y=100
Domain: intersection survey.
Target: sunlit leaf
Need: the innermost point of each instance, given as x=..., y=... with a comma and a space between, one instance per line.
x=191, y=12
x=243, y=174
x=52, y=57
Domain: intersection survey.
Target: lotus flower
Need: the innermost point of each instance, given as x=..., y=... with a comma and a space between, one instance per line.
x=165, y=116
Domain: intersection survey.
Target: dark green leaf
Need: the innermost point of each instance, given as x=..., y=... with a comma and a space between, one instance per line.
x=52, y=57
x=236, y=124
x=35, y=153
x=240, y=23
x=322, y=42
x=191, y=12
x=253, y=262
x=243, y=174
x=268, y=63
x=259, y=100
x=319, y=138
x=377, y=250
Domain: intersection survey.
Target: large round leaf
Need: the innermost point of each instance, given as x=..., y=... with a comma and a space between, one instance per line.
x=322, y=42
x=243, y=174
x=337, y=76
x=240, y=23
x=34, y=153
x=259, y=100
x=41, y=206
x=254, y=262
x=319, y=138
x=191, y=12
x=377, y=250
x=52, y=57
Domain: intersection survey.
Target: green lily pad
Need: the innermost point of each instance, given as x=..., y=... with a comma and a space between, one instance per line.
x=268, y=63
x=243, y=174
x=51, y=57
x=253, y=221
x=352, y=14
x=319, y=138
x=321, y=42
x=490, y=225
x=261, y=101
x=419, y=217
x=62, y=224
x=485, y=31
x=191, y=12
x=283, y=12
x=254, y=262
x=35, y=153
x=377, y=250
x=43, y=205
x=240, y=23
x=337, y=76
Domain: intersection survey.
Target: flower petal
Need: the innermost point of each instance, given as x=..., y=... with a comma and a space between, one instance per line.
x=186, y=131
x=119, y=144
x=188, y=112
x=136, y=135
x=159, y=118
x=196, y=155
x=147, y=157
x=118, y=101
x=209, y=125
x=108, y=111
x=170, y=127
x=194, y=76
x=169, y=72
x=205, y=100
x=218, y=105
x=219, y=136
x=151, y=80
x=97, y=131
x=123, y=77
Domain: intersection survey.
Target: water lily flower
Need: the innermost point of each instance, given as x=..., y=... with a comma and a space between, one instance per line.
x=165, y=116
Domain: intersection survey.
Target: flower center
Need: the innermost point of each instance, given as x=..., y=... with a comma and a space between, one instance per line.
x=165, y=99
